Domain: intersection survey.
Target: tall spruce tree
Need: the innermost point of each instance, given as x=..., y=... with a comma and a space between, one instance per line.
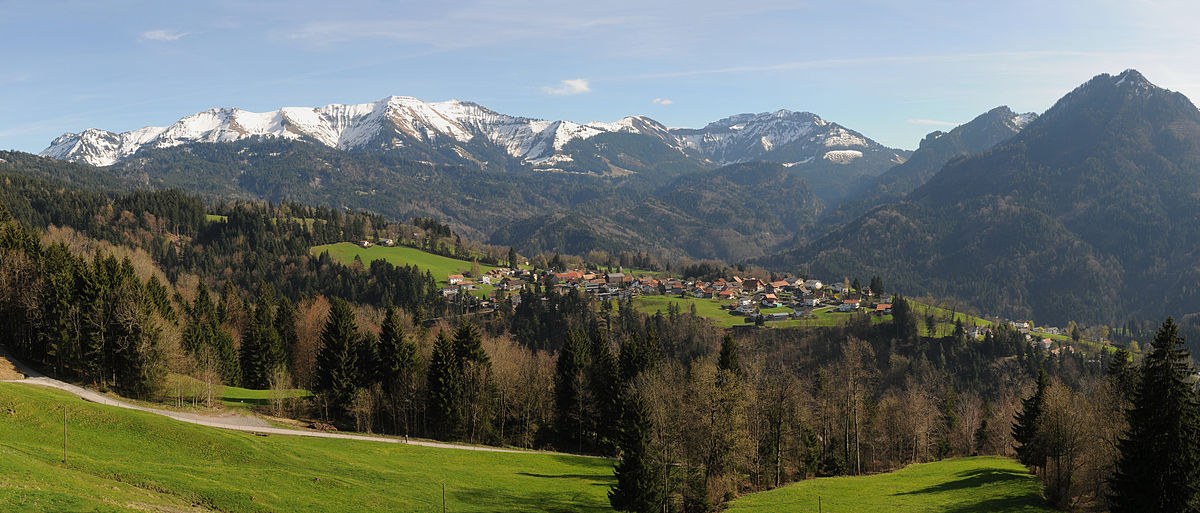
x=285, y=325
x=570, y=391
x=638, y=477
x=1030, y=452
x=337, y=368
x=604, y=385
x=399, y=363
x=729, y=360
x=1160, y=452
x=445, y=409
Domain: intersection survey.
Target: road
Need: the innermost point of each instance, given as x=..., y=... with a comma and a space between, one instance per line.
x=231, y=421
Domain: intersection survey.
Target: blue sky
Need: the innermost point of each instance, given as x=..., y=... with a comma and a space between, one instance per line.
x=891, y=70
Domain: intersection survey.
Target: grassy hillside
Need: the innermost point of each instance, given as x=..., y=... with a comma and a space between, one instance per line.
x=439, y=266
x=964, y=485
x=123, y=460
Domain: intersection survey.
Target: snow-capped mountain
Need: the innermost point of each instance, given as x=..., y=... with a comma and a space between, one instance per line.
x=465, y=133
x=390, y=123
x=783, y=136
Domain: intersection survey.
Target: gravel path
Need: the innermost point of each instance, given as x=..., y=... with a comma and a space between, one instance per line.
x=231, y=421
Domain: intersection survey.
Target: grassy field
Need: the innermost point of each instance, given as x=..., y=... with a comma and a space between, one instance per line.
x=439, y=266
x=964, y=485
x=122, y=460
x=711, y=309
x=186, y=388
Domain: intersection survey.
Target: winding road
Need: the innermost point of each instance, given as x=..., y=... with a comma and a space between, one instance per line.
x=230, y=421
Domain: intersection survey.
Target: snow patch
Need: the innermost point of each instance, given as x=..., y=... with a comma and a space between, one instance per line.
x=843, y=137
x=1023, y=120
x=842, y=156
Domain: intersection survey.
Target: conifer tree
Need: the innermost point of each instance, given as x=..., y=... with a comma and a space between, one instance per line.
x=368, y=360
x=285, y=325
x=570, y=391
x=729, y=360
x=445, y=411
x=637, y=488
x=337, y=366
x=1160, y=453
x=604, y=382
x=1025, y=426
x=399, y=363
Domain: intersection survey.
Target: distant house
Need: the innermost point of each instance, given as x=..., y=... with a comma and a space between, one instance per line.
x=849, y=305
x=814, y=284
x=811, y=301
x=364, y=244
x=455, y=279
x=883, y=308
x=388, y=242
x=727, y=294
x=449, y=291
x=778, y=316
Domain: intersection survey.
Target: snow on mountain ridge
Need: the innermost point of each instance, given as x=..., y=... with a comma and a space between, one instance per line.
x=350, y=127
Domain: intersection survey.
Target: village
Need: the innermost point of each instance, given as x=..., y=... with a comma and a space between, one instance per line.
x=733, y=301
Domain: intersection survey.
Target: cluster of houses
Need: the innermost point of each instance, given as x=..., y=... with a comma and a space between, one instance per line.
x=746, y=296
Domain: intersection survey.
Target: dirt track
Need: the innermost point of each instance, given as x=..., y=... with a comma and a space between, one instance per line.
x=230, y=421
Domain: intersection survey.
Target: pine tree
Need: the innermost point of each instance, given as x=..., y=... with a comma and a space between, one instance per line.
x=285, y=325
x=368, y=361
x=637, y=487
x=445, y=410
x=728, y=360
x=1160, y=453
x=1025, y=426
x=399, y=363
x=570, y=391
x=1123, y=373
x=337, y=367
x=604, y=385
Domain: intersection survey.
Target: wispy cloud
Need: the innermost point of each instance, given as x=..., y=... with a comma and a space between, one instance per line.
x=569, y=87
x=13, y=78
x=162, y=35
x=663, y=101
x=864, y=61
x=932, y=122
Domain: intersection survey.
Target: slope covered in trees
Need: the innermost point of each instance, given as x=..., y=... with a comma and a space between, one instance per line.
x=1090, y=213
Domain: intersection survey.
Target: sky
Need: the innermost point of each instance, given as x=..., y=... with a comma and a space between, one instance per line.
x=892, y=70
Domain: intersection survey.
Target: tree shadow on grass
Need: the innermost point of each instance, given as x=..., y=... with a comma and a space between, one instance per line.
x=1009, y=503
x=972, y=479
x=492, y=499
x=600, y=480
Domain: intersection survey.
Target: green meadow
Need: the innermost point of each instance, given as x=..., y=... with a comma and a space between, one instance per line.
x=965, y=485
x=122, y=460
x=438, y=265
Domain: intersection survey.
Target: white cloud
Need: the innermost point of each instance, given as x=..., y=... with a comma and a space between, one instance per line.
x=663, y=101
x=162, y=35
x=932, y=122
x=568, y=87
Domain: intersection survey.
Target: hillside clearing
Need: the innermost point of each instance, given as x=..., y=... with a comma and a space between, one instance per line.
x=439, y=266
x=983, y=484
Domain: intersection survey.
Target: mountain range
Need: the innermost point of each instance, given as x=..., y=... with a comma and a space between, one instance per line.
x=464, y=133
x=1086, y=212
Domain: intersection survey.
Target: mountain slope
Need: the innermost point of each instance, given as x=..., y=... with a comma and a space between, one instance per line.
x=936, y=149
x=732, y=213
x=1091, y=213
